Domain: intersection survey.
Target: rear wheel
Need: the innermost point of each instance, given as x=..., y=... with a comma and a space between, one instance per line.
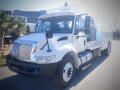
x=107, y=51
x=65, y=72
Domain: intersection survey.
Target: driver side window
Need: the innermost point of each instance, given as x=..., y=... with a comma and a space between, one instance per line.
x=79, y=24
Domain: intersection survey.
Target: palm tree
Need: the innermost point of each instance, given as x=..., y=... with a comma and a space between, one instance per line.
x=17, y=26
x=3, y=27
x=8, y=23
x=21, y=28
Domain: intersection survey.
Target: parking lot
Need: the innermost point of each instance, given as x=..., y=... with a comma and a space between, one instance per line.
x=102, y=74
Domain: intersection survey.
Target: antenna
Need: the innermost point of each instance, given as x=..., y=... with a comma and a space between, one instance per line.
x=66, y=4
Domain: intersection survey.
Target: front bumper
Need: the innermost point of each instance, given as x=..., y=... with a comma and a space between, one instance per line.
x=30, y=68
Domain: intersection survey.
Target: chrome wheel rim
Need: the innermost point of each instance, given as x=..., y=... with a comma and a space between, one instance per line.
x=67, y=72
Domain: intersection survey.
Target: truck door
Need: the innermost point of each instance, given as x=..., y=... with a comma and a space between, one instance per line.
x=79, y=37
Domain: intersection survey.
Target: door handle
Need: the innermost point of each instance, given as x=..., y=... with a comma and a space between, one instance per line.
x=79, y=36
x=84, y=42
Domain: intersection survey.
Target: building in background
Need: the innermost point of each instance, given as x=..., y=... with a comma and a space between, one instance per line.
x=20, y=18
x=30, y=15
x=8, y=12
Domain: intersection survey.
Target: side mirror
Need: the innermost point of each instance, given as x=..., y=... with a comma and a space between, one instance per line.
x=87, y=21
x=49, y=34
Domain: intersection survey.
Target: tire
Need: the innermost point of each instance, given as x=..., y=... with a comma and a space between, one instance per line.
x=65, y=71
x=107, y=51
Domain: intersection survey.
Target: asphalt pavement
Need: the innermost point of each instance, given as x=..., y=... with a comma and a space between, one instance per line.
x=103, y=73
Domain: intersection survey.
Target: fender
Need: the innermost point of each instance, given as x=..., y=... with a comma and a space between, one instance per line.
x=69, y=50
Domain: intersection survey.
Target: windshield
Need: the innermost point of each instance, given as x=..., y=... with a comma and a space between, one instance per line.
x=59, y=24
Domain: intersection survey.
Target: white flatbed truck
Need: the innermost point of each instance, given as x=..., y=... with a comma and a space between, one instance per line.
x=62, y=42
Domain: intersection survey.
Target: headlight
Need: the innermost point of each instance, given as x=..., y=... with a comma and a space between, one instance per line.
x=46, y=59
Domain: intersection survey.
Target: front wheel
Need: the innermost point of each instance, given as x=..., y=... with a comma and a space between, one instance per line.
x=65, y=72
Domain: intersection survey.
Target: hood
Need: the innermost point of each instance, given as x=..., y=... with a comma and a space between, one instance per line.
x=37, y=37
x=40, y=39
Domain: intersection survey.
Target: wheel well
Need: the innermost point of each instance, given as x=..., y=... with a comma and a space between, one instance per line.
x=109, y=42
x=74, y=57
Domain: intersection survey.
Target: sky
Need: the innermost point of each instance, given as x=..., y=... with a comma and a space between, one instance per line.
x=105, y=12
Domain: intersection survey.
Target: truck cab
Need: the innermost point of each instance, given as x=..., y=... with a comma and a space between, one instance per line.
x=61, y=43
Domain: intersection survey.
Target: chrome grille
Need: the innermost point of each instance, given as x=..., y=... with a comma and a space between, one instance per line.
x=22, y=51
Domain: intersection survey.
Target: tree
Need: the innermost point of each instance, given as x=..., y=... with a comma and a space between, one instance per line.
x=20, y=28
x=8, y=23
x=3, y=27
